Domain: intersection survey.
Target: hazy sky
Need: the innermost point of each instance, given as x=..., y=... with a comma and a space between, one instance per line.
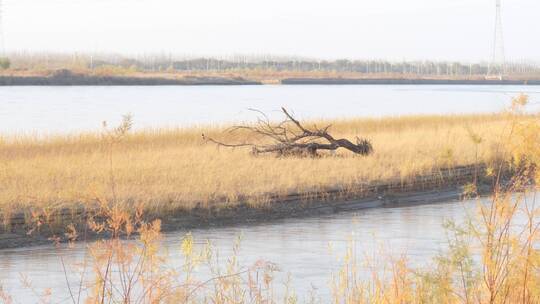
x=391, y=29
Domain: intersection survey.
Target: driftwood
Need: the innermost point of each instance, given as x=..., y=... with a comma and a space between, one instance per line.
x=290, y=138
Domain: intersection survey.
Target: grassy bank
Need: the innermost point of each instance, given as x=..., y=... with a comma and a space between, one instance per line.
x=170, y=169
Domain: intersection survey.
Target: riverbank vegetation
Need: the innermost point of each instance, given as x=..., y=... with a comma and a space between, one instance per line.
x=164, y=170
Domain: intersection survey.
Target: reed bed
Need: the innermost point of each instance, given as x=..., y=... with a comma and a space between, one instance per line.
x=165, y=169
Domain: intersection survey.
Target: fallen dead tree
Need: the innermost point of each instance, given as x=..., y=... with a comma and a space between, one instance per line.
x=290, y=138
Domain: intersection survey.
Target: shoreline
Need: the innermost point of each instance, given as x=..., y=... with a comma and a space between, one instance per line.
x=382, y=81
x=85, y=80
x=66, y=78
x=424, y=190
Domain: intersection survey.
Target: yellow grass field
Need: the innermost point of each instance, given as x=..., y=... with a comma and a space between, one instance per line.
x=165, y=169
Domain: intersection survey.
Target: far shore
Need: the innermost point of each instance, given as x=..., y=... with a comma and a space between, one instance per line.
x=87, y=80
x=397, y=81
x=69, y=78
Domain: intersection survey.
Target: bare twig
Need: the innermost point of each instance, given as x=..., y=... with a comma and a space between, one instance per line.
x=290, y=138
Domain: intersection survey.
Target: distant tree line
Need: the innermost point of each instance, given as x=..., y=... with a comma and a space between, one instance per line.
x=344, y=65
x=154, y=63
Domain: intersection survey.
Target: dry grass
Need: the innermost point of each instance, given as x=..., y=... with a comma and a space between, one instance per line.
x=165, y=169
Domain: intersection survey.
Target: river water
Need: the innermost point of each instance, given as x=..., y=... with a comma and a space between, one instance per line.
x=308, y=248
x=305, y=247
x=45, y=110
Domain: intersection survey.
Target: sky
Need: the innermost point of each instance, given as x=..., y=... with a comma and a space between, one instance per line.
x=357, y=29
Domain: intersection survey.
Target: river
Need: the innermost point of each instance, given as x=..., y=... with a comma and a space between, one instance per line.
x=46, y=110
x=307, y=248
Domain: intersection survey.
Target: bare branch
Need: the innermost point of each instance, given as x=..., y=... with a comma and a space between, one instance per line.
x=209, y=139
x=290, y=138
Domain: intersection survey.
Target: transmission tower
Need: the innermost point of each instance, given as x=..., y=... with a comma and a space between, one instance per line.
x=2, y=46
x=497, y=64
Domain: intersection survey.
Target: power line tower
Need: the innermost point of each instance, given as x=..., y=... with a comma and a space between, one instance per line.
x=497, y=65
x=2, y=46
